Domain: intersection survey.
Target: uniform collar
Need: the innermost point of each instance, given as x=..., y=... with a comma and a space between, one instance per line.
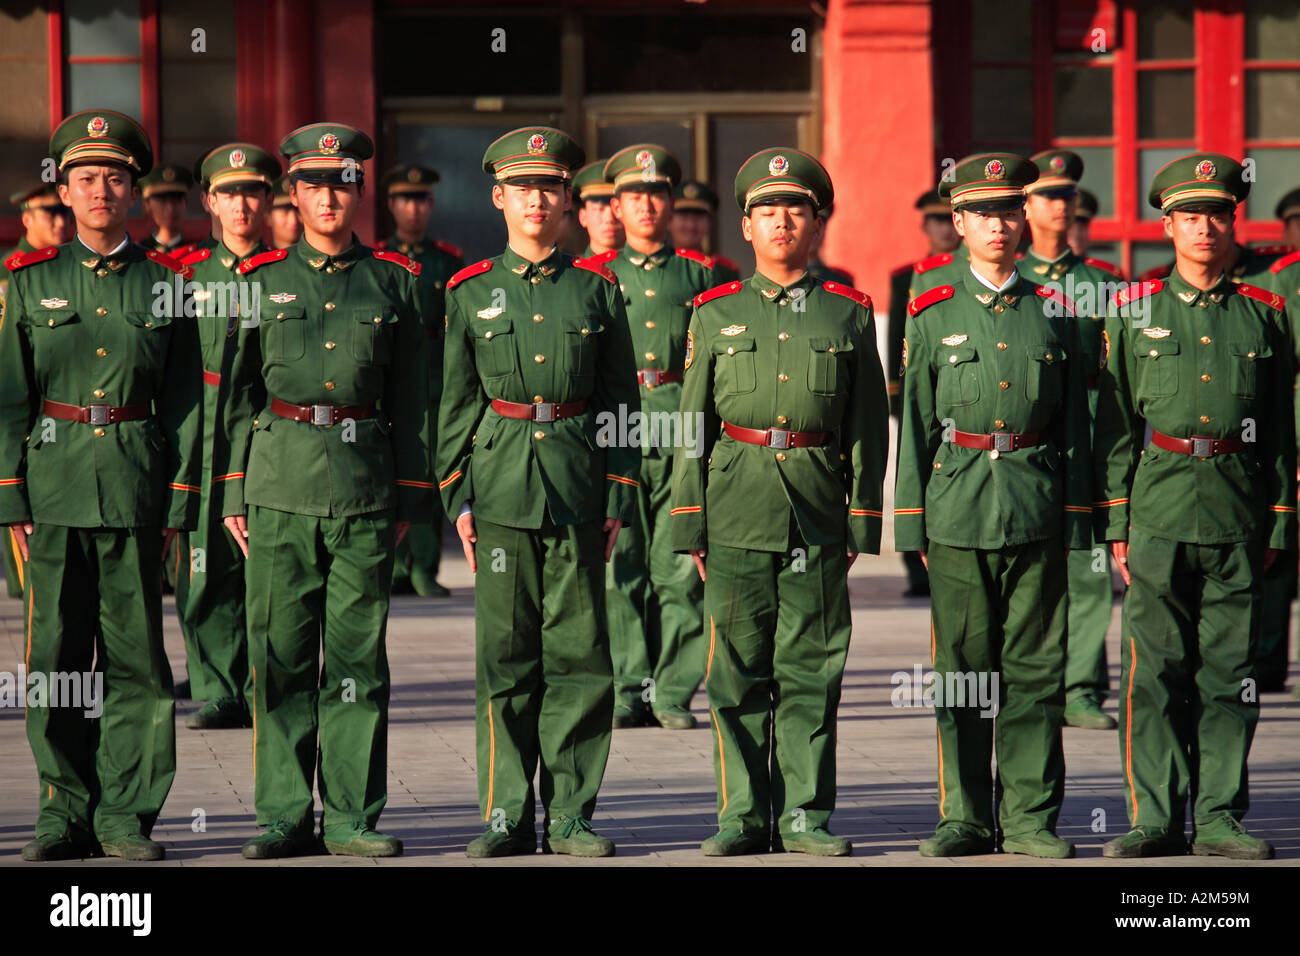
x=781, y=295
x=997, y=300
x=115, y=260
x=222, y=253
x=647, y=262
x=320, y=261
x=166, y=246
x=24, y=245
x=1041, y=270
x=1195, y=298
x=396, y=243
x=534, y=272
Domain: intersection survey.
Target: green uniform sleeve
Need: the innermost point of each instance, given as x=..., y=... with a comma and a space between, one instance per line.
x=463, y=403
x=690, y=473
x=245, y=396
x=406, y=403
x=18, y=400
x=180, y=410
x=898, y=299
x=1277, y=446
x=615, y=388
x=918, y=440
x=865, y=438
x=1118, y=435
x=1076, y=443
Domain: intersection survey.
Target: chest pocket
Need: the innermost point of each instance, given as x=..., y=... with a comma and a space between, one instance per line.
x=372, y=335
x=581, y=347
x=149, y=338
x=959, y=382
x=1157, y=361
x=494, y=347
x=1244, y=371
x=1043, y=377
x=52, y=318
x=734, y=365
x=285, y=338
x=825, y=375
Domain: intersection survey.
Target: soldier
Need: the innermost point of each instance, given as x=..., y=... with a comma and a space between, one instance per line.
x=99, y=465
x=410, y=203
x=211, y=601
x=1195, y=518
x=776, y=505
x=993, y=488
x=818, y=269
x=1088, y=283
x=695, y=208
x=1079, y=234
x=334, y=470
x=653, y=595
x=591, y=194
x=286, y=227
x=166, y=192
x=537, y=356
x=1287, y=211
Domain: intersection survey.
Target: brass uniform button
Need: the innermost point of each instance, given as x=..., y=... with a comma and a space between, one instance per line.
x=843, y=457
x=537, y=399
x=51, y=323
x=1205, y=378
x=1002, y=346
x=538, y=317
x=329, y=346
x=650, y=293
x=539, y=359
x=1250, y=355
x=101, y=352
x=99, y=433
x=1004, y=385
x=583, y=331
x=487, y=334
x=279, y=315
x=101, y=311
x=1154, y=352
x=994, y=455
x=539, y=434
x=101, y=272
x=378, y=320
x=999, y=424
x=780, y=456
x=329, y=306
x=98, y=393
x=1205, y=340
x=783, y=377
x=952, y=360
x=783, y=336
x=535, y=279
x=649, y=356
x=1205, y=419
x=781, y=419
x=329, y=386
x=650, y=324
x=937, y=466
x=999, y=307
x=730, y=349
x=148, y=325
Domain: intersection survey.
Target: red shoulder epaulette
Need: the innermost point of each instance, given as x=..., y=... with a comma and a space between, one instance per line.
x=717, y=292
x=1159, y=272
x=1055, y=296
x=591, y=265
x=600, y=258
x=1285, y=261
x=698, y=256
x=930, y=297
x=20, y=260
x=903, y=270
x=165, y=260
x=197, y=255
x=726, y=263
x=1137, y=290
x=1263, y=295
x=477, y=269
x=1104, y=266
x=1020, y=255
x=933, y=262
x=1276, y=249
x=839, y=288
x=180, y=252
x=448, y=248
x=261, y=259
x=397, y=259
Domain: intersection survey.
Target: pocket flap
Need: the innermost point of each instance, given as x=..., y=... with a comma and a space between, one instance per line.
x=147, y=320
x=50, y=318
x=1249, y=350
x=1154, y=348
x=282, y=312
x=1047, y=354
x=832, y=345
x=730, y=346
x=957, y=356
x=588, y=326
x=491, y=328
x=380, y=315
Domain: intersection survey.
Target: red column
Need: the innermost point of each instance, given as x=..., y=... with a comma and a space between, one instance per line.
x=345, y=75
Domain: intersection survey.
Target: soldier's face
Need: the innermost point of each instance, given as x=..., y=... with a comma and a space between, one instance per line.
x=47, y=226
x=784, y=232
x=1202, y=237
x=1048, y=214
x=941, y=233
x=242, y=211
x=597, y=218
x=166, y=211
x=327, y=209
x=411, y=212
x=644, y=214
x=99, y=196
x=285, y=226
x=690, y=228
x=1291, y=232
x=990, y=236
x=1079, y=236
x=533, y=212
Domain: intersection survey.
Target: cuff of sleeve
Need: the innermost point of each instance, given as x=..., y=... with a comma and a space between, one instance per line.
x=909, y=530
x=863, y=531
x=455, y=489
x=1110, y=520
x=414, y=500
x=183, y=506
x=620, y=498
x=1282, y=534
x=13, y=501
x=230, y=489
x=1078, y=528
x=688, y=529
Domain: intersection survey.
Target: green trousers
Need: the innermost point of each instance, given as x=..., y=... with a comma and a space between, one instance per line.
x=419, y=556
x=13, y=566
x=1000, y=613
x=1277, y=591
x=1187, y=646
x=92, y=602
x=1090, y=597
x=653, y=599
x=319, y=587
x=543, y=690
x=778, y=637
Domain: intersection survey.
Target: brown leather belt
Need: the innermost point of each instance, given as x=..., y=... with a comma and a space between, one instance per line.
x=320, y=414
x=211, y=378
x=776, y=437
x=650, y=377
x=539, y=411
x=94, y=414
x=996, y=441
x=1198, y=447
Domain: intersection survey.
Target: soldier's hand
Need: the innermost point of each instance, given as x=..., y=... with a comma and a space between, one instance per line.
x=853, y=556
x=1119, y=551
x=1270, y=555
x=924, y=563
x=612, y=527
x=237, y=525
x=465, y=528
x=698, y=558
x=167, y=535
x=402, y=528
x=21, y=530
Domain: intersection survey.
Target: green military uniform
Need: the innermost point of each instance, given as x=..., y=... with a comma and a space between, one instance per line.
x=420, y=554
x=942, y=268
x=695, y=196
x=653, y=596
x=336, y=456
x=789, y=479
x=993, y=486
x=1209, y=372
x=99, y=451
x=167, y=180
x=538, y=358
x=210, y=601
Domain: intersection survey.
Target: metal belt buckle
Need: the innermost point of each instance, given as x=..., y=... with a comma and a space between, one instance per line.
x=1003, y=441
x=322, y=414
x=544, y=412
x=649, y=377
x=99, y=414
x=778, y=438
x=1202, y=447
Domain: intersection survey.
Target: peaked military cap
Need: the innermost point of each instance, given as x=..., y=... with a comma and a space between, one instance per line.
x=1201, y=179
x=781, y=172
x=988, y=181
x=533, y=156
x=1288, y=205
x=237, y=164
x=281, y=192
x=409, y=179
x=695, y=195
x=1087, y=205
x=166, y=180
x=932, y=204
x=40, y=196
x=643, y=166
x=102, y=136
x=589, y=183
x=327, y=153
x=1059, y=172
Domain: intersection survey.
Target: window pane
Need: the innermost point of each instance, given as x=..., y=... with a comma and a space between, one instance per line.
x=525, y=62
x=1099, y=176
x=1272, y=104
x=1002, y=106
x=1083, y=101
x=1148, y=255
x=105, y=86
x=24, y=120
x=734, y=140
x=1166, y=105
x=1165, y=30
x=94, y=30
x=1108, y=251
x=1149, y=163
x=1001, y=30
x=1276, y=174
x=1272, y=30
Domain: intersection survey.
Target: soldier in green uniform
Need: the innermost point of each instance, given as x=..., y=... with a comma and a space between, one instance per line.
x=819, y=270
x=782, y=497
x=591, y=195
x=1205, y=366
x=329, y=454
x=653, y=595
x=695, y=208
x=286, y=227
x=538, y=358
x=993, y=486
x=1079, y=233
x=166, y=191
x=940, y=268
x=410, y=202
x=99, y=429
x=211, y=603
x=1088, y=283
